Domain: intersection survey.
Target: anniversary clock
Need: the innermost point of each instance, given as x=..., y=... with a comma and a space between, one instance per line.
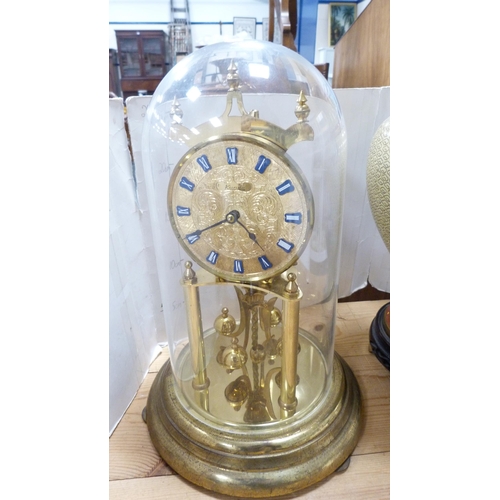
x=244, y=146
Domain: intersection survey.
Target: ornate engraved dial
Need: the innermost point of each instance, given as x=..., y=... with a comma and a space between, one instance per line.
x=240, y=207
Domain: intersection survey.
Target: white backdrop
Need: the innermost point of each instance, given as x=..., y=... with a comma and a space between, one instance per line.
x=133, y=300
x=136, y=324
x=364, y=254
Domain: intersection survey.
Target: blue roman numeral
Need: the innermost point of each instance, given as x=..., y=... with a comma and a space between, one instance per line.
x=204, y=163
x=286, y=187
x=183, y=211
x=192, y=237
x=264, y=262
x=212, y=257
x=295, y=218
x=238, y=266
x=186, y=184
x=285, y=245
x=262, y=164
x=232, y=155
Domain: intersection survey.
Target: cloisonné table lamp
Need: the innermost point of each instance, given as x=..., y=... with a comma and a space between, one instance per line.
x=244, y=146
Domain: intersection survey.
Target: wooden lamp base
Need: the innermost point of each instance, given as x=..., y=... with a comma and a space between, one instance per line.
x=380, y=339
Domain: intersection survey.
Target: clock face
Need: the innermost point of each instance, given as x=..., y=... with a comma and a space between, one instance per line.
x=240, y=207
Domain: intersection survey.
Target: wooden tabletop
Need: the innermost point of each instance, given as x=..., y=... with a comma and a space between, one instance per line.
x=136, y=471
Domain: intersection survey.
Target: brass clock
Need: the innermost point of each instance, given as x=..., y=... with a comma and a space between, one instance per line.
x=253, y=402
x=240, y=207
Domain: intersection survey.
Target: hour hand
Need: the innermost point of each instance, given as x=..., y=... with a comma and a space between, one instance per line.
x=252, y=236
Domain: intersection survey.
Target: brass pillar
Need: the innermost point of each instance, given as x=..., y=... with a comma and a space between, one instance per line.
x=290, y=345
x=195, y=334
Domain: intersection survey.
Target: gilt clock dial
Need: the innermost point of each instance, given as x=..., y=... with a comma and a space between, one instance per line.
x=240, y=207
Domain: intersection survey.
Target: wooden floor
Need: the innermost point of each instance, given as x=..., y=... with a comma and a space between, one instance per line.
x=136, y=472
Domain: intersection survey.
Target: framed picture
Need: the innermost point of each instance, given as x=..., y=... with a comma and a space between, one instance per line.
x=244, y=25
x=341, y=17
x=265, y=30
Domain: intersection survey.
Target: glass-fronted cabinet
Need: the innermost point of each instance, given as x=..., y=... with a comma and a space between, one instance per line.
x=143, y=60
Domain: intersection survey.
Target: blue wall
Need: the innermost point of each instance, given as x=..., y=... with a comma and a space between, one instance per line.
x=306, y=30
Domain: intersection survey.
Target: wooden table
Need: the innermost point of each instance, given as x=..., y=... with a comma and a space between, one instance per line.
x=136, y=471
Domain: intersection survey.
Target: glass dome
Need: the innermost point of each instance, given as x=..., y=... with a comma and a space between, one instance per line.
x=244, y=148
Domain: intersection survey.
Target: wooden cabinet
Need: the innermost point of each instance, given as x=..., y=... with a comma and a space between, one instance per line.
x=143, y=60
x=362, y=55
x=114, y=74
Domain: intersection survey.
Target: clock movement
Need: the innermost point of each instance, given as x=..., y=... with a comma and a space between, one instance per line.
x=244, y=145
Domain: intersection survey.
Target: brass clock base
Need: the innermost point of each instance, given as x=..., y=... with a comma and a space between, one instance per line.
x=257, y=461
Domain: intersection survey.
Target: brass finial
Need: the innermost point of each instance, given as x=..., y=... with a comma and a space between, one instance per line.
x=176, y=111
x=233, y=79
x=302, y=109
x=189, y=274
x=291, y=286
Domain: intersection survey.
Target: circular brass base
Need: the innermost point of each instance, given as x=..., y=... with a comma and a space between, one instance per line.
x=256, y=461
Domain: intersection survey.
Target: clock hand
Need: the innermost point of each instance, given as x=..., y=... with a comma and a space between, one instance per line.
x=231, y=217
x=252, y=236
